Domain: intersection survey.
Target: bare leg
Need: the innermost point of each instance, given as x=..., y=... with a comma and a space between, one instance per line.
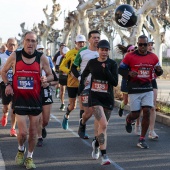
x=33, y=131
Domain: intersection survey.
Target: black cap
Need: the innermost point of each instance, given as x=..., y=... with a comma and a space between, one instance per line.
x=103, y=44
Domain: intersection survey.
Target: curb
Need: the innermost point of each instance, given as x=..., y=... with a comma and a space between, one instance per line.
x=161, y=118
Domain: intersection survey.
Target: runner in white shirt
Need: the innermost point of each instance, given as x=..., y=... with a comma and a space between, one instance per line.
x=6, y=100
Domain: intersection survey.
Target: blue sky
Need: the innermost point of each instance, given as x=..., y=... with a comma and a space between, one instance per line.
x=15, y=12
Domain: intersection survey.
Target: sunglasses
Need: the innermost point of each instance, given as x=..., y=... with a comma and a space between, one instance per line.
x=142, y=44
x=131, y=50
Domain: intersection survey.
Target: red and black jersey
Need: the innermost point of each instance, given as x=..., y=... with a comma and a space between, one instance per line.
x=144, y=66
x=27, y=97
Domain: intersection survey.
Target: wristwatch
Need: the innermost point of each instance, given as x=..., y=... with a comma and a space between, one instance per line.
x=6, y=84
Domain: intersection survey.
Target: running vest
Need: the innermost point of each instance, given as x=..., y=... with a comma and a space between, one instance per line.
x=27, y=97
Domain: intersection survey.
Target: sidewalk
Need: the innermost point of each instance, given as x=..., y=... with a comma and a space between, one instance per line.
x=159, y=116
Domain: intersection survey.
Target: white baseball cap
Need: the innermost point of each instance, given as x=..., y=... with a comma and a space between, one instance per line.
x=150, y=41
x=80, y=38
x=39, y=46
x=65, y=50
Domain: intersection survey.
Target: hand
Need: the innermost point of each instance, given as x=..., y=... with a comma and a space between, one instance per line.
x=43, y=79
x=9, y=90
x=133, y=73
x=158, y=68
x=103, y=65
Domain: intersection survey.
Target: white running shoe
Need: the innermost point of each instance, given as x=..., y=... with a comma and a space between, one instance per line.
x=105, y=160
x=137, y=130
x=96, y=152
x=152, y=135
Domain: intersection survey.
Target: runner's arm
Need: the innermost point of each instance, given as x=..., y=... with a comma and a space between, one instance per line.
x=76, y=64
x=64, y=63
x=85, y=73
x=9, y=64
x=46, y=67
x=123, y=70
x=112, y=74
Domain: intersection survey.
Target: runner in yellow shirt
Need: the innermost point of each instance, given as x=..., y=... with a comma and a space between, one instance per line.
x=72, y=81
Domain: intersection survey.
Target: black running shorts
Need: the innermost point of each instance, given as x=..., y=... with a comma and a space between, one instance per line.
x=5, y=99
x=72, y=92
x=47, y=96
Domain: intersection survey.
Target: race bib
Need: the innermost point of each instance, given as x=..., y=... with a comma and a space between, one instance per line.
x=25, y=82
x=84, y=99
x=99, y=86
x=144, y=72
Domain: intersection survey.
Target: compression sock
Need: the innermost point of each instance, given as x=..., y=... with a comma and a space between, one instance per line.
x=81, y=113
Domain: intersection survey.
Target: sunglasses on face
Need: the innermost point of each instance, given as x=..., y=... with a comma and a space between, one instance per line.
x=142, y=44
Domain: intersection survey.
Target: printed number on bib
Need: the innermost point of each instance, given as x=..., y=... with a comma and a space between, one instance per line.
x=84, y=99
x=99, y=86
x=144, y=73
x=25, y=83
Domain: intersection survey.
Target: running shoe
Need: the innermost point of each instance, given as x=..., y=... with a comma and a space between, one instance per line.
x=62, y=107
x=65, y=123
x=142, y=144
x=96, y=152
x=13, y=132
x=19, y=159
x=128, y=126
x=29, y=164
x=44, y=133
x=105, y=160
x=40, y=142
x=121, y=111
x=82, y=131
x=152, y=135
x=137, y=130
x=4, y=120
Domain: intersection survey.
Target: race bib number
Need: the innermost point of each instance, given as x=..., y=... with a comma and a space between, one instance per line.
x=144, y=72
x=84, y=99
x=25, y=82
x=100, y=86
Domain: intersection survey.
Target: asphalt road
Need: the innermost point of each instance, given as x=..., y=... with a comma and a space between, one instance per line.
x=64, y=150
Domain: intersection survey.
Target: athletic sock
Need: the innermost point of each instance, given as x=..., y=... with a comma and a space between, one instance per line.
x=81, y=113
x=103, y=152
x=68, y=112
x=29, y=155
x=21, y=148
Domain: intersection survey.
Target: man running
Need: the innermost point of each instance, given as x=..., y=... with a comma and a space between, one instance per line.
x=138, y=67
x=27, y=65
x=83, y=56
x=72, y=82
x=6, y=100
